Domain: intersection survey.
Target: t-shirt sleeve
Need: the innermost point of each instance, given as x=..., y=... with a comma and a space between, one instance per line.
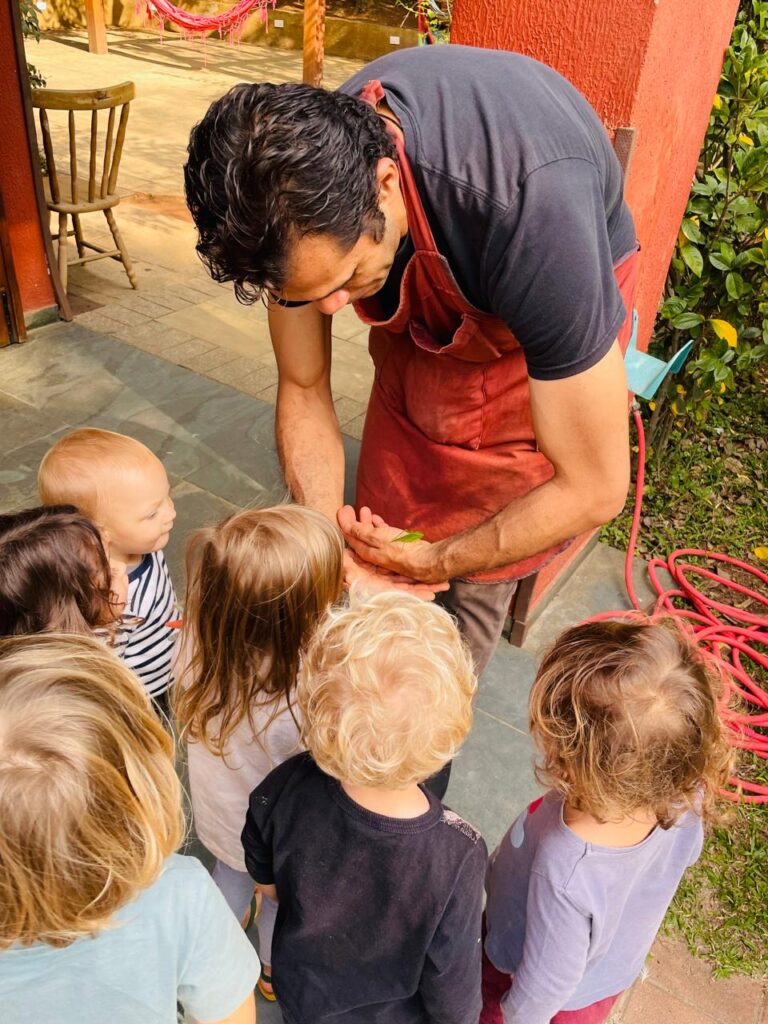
x=257, y=833
x=220, y=967
x=557, y=937
x=549, y=271
x=450, y=980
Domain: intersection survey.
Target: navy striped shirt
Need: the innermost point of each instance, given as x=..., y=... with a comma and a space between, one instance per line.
x=150, y=648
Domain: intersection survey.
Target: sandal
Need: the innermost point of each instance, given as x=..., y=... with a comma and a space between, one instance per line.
x=267, y=993
x=253, y=911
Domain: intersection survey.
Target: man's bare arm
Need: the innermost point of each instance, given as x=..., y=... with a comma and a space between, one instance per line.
x=581, y=424
x=308, y=435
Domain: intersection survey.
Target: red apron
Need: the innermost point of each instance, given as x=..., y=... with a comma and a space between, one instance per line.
x=448, y=438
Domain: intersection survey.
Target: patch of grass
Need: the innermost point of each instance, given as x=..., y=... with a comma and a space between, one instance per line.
x=709, y=489
x=721, y=907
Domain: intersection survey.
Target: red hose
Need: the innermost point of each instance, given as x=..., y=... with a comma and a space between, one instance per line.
x=729, y=634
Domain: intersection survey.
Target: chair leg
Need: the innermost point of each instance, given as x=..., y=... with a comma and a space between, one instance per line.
x=124, y=257
x=63, y=250
x=78, y=235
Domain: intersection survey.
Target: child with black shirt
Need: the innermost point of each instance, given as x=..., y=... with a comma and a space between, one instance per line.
x=380, y=886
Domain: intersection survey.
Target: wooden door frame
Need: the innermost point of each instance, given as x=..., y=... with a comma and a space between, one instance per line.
x=65, y=311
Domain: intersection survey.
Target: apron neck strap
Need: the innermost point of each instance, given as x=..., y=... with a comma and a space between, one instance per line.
x=418, y=226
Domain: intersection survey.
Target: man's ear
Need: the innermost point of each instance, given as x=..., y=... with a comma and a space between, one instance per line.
x=388, y=177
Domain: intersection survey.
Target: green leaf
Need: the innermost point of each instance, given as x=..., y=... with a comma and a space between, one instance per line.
x=734, y=284
x=684, y=321
x=692, y=258
x=718, y=262
x=408, y=537
x=727, y=252
x=691, y=230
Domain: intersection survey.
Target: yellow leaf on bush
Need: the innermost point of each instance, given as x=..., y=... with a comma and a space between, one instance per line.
x=720, y=401
x=762, y=554
x=651, y=406
x=717, y=102
x=722, y=387
x=746, y=140
x=725, y=331
x=680, y=389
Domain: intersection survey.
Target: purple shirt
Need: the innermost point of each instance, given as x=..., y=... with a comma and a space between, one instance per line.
x=573, y=922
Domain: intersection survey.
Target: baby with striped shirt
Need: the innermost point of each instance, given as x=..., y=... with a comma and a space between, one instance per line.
x=122, y=486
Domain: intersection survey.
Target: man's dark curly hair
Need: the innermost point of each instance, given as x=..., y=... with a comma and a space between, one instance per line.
x=272, y=163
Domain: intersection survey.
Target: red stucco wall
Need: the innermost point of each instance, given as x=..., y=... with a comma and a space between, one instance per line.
x=579, y=38
x=16, y=179
x=648, y=64
x=678, y=81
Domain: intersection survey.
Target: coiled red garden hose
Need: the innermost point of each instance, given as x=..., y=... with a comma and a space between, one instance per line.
x=728, y=634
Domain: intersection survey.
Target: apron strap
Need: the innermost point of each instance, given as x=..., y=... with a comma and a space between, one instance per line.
x=418, y=225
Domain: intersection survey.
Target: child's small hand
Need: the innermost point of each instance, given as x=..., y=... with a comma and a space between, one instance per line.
x=268, y=890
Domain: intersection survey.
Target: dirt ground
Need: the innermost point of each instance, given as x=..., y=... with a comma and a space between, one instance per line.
x=383, y=12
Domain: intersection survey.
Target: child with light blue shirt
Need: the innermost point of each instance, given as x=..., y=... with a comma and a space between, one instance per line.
x=625, y=717
x=100, y=919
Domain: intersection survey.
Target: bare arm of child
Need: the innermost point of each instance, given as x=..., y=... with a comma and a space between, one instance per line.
x=450, y=980
x=557, y=936
x=244, y=1014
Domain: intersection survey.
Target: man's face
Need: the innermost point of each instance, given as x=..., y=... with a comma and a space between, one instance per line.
x=320, y=271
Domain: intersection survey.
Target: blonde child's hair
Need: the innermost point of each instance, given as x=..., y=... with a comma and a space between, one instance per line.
x=78, y=469
x=90, y=803
x=625, y=714
x=385, y=691
x=258, y=583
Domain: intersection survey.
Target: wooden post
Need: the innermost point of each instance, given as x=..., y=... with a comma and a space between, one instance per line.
x=97, y=28
x=314, y=41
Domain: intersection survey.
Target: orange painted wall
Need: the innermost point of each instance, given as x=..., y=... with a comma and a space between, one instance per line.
x=649, y=64
x=16, y=179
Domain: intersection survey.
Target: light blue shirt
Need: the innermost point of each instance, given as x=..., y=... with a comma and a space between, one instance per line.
x=572, y=921
x=177, y=940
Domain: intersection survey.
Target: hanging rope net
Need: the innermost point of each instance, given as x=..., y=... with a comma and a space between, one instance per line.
x=230, y=21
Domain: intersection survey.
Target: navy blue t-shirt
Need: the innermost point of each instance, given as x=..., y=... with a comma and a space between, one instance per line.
x=522, y=190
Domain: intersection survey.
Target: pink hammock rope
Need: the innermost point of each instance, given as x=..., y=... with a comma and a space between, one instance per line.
x=230, y=21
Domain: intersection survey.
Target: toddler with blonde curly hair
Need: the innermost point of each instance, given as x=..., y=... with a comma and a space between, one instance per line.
x=380, y=886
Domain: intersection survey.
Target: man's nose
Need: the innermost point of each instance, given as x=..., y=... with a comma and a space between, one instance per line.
x=333, y=303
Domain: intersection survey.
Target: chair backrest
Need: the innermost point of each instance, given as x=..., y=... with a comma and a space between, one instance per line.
x=74, y=100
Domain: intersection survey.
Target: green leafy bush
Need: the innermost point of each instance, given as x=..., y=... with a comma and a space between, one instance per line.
x=437, y=14
x=30, y=26
x=717, y=288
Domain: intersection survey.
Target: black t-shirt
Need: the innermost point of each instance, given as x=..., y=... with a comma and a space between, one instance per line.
x=523, y=193
x=379, y=918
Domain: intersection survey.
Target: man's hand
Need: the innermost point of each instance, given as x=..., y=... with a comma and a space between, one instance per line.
x=405, y=566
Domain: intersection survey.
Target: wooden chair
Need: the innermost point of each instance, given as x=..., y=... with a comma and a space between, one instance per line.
x=71, y=195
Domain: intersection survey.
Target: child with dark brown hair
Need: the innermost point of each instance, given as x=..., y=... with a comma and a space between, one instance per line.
x=56, y=575
x=258, y=584
x=625, y=717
